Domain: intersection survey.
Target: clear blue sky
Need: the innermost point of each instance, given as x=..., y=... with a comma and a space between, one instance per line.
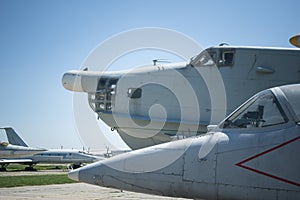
x=40, y=40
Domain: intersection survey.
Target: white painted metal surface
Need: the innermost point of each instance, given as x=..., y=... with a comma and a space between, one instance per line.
x=252, y=154
x=156, y=104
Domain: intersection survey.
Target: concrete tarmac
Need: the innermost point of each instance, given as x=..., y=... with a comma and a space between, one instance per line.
x=73, y=191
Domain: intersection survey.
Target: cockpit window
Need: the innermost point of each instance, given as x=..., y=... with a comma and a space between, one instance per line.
x=292, y=93
x=227, y=58
x=204, y=59
x=207, y=60
x=211, y=57
x=261, y=111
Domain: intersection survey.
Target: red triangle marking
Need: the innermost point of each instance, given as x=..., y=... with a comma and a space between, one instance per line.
x=240, y=164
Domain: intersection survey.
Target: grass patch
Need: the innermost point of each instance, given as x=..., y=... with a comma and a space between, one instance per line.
x=15, y=181
x=38, y=167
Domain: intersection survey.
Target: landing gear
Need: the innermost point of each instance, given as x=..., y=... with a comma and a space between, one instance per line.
x=74, y=166
x=3, y=167
x=30, y=167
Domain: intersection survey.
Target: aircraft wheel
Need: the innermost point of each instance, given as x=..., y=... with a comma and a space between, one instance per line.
x=75, y=166
x=29, y=169
x=2, y=169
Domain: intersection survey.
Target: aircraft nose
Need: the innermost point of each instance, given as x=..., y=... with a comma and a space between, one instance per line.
x=90, y=173
x=74, y=174
x=72, y=81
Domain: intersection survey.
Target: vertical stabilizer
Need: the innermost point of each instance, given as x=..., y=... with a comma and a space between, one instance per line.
x=14, y=138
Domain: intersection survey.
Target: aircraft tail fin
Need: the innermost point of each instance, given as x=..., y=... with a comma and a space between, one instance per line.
x=14, y=138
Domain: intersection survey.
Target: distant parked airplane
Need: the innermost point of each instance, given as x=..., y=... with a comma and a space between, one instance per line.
x=75, y=157
x=17, y=151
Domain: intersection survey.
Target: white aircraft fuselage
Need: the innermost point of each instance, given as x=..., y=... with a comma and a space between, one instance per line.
x=251, y=154
x=63, y=156
x=155, y=104
x=15, y=151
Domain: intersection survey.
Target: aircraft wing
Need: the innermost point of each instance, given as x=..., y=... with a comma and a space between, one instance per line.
x=18, y=161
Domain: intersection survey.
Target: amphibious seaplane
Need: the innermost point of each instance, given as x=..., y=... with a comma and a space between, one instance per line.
x=251, y=154
x=161, y=102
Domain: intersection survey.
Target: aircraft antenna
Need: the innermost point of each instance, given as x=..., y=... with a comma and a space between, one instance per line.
x=160, y=61
x=223, y=44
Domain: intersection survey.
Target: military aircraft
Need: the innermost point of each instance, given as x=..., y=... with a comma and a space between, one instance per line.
x=161, y=102
x=17, y=151
x=251, y=154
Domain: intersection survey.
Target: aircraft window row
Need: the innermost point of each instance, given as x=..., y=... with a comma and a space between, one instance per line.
x=53, y=154
x=134, y=93
x=262, y=111
x=223, y=57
